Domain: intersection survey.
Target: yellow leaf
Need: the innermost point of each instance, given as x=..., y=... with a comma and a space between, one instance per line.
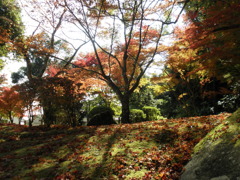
x=181, y=96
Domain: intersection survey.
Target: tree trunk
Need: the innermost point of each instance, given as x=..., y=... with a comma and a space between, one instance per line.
x=49, y=117
x=30, y=121
x=20, y=120
x=10, y=117
x=30, y=116
x=125, y=116
x=71, y=115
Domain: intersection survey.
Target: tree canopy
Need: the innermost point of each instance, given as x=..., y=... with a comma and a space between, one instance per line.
x=124, y=38
x=10, y=24
x=203, y=62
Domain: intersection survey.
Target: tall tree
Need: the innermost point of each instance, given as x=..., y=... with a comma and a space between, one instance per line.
x=204, y=59
x=124, y=37
x=213, y=30
x=37, y=51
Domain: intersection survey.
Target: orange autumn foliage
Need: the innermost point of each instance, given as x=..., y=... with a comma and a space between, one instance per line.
x=209, y=47
x=11, y=103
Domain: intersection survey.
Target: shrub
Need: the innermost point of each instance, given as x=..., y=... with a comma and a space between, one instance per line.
x=152, y=113
x=101, y=115
x=137, y=115
x=116, y=108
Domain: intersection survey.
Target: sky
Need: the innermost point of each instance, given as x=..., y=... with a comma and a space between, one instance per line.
x=10, y=67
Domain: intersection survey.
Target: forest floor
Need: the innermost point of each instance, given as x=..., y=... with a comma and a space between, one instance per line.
x=147, y=150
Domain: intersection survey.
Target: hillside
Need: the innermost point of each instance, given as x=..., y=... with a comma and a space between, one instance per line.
x=157, y=149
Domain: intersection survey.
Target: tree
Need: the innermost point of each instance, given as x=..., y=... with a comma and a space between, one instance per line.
x=125, y=55
x=213, y=30
x=34, y=50
x=217, y=41
x=10, y=24
x=123, y=63
x=28, y=95
x=37, y=51
x=10, y=103
x=203, y=61
x=143, y=95
x=185, y=96
x=41, y=48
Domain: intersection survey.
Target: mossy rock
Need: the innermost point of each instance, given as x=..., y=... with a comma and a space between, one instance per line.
x=218, y=154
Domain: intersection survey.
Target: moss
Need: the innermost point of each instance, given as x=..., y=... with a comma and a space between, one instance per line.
x=235, y=117
x=65, y=164
x=92, y=152
x=222, y=133
x=44, y=164
x=140, y=145
x=237, y=144
x=135, y=146
x=116, y=149
x=213, y=138
x=45, y=170
x=62, y=152
x=136, y=174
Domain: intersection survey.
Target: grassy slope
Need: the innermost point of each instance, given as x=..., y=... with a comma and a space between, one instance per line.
x=157, y=149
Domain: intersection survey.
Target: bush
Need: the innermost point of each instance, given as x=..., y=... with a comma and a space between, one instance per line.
x=152, y=113
x=101, y=115
x=137, y=115
x=3, y=121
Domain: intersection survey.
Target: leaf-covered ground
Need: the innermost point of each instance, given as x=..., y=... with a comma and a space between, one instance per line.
x=148, y=150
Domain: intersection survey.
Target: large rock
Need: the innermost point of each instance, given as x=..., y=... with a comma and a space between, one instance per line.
x=217, y=156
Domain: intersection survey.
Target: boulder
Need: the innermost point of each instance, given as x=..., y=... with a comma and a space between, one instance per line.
x=217, y=156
